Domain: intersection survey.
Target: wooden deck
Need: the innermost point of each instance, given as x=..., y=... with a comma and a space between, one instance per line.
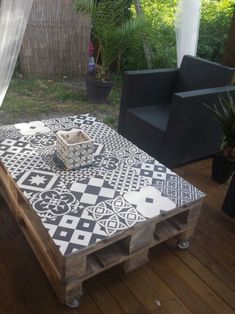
x=200, y=280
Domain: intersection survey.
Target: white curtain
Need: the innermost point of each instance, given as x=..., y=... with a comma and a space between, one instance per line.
x=14, y=15
x=187, y=23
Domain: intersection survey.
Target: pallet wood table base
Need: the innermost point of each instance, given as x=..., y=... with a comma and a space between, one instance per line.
x=80, y=223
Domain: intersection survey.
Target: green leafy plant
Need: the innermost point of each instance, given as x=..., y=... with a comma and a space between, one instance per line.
x=215, y=22
x=111, y=29
x=225, y=116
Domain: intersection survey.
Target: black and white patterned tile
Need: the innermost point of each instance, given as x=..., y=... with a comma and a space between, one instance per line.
x=50, y=204
x=106, y=161
x=67, y=123
x=39, y=141
x=22, y=160
x=98, y=131
x=74, y=233
x=115, y=215
x=179, y=190
x=122, y=187
x=123, y=179
x=149, y=201
x=32, y=128
x=9, y=132
x=86, y=119
x=152, y=170
x=92, y=190
x=37, y=180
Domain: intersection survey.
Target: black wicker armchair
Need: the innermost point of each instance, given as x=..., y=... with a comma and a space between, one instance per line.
x=162, y=111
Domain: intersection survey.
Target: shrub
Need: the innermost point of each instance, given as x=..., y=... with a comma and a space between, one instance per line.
x=215, y=22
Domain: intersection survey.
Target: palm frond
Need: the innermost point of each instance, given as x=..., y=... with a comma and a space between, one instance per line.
x=85, y=6
x=224, y=114
x=110, y=27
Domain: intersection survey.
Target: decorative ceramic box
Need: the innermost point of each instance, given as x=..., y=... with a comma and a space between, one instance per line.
x=74, y=148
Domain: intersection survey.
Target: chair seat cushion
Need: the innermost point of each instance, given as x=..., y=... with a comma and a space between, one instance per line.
x=156, y=115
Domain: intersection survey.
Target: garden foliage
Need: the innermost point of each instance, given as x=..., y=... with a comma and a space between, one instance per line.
x=215, y=22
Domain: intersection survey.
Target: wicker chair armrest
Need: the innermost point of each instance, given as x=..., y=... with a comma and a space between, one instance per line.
x=188, y=108
x=191, y=128
x=203, y=93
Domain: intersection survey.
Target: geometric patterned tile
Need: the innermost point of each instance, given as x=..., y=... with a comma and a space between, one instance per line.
x=98, y=131
x=23, y=160
x=75, y=233
x=149, y=201
x=32, y=127
x=92, y=190
x=37, y=180
x=9, y=131
x=124, y=179
x=115, y=215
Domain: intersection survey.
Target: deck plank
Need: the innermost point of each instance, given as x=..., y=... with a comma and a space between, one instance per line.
x=218, y=251
x=153, y=293
x=205, y=257
x=113, y=281
x=192, y=279
x=215, y=284
x=16, y=282
x=102, y=297
x=178, y=285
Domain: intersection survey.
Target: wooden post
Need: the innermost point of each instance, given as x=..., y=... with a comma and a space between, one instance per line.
x=136, y=261
x=140, y=238
x=229, y=53
x=191, y=221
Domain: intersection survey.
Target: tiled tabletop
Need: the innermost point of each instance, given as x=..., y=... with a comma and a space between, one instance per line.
x=122, y=187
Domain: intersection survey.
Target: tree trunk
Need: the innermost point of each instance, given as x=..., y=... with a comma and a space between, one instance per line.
x=229, y=53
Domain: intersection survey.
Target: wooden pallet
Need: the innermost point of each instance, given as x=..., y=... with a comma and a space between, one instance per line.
x=130, y=248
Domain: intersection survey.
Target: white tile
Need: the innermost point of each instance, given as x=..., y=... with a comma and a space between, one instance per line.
x=89, y=198
x=9, y=142
x=63, y=234
x=159, y=175
x=147, y=166
x=68, y=221
x=78, y=187
x=14, y=149
x=106, y=192
x=50, y=228
x=81, y=237
x=96, y=182
x=149, y=209
x=62, y=245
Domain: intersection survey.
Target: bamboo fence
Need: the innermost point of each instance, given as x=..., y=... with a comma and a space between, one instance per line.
x=56, y=41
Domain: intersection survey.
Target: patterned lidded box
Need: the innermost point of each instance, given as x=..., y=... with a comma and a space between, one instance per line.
x=74, y=148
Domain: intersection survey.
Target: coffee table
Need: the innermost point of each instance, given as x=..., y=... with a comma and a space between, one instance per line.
x=81, y=222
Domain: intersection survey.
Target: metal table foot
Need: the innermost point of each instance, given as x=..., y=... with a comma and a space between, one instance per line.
x=183, y=244
x=74, y=304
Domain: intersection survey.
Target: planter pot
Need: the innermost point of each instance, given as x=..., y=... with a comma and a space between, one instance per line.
x=222, y=168
x=229, y=201
x=74, y=148
x=97, y=91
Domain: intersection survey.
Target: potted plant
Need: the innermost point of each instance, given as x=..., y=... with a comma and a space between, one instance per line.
x=112, y=32
x=223, y=163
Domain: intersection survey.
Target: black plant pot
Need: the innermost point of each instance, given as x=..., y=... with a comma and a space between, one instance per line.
x=222, y=168
x=229, y=201
x=97, y=91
